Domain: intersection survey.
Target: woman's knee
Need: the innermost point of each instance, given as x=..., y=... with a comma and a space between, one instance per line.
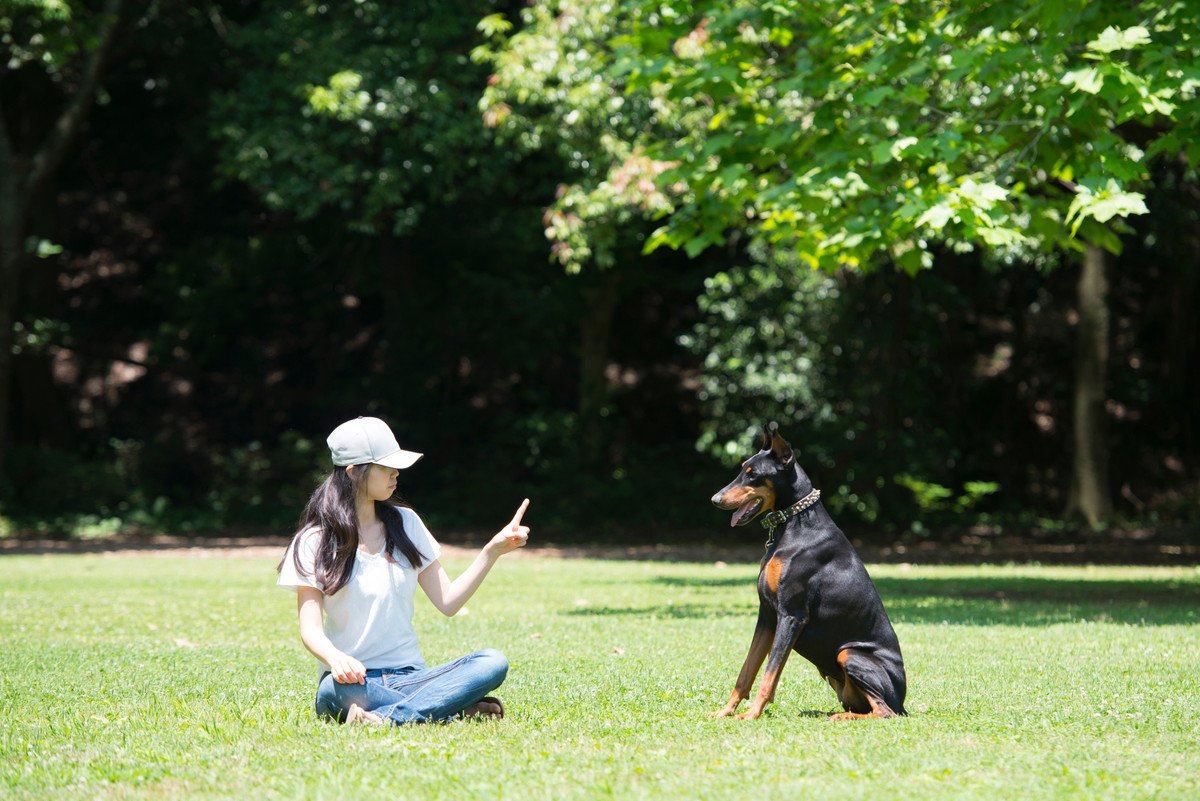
x=333, y=699
x=493, y=663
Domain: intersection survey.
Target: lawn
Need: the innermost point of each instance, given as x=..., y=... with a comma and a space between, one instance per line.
x=159, y=675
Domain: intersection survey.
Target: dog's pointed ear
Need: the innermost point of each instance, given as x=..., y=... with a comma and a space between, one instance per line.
x=779, y=446
x=765, y=441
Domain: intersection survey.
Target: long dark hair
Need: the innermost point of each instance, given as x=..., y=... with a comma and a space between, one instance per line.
x=333, y=511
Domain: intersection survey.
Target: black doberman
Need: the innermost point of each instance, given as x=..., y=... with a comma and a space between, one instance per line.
x=814, y=594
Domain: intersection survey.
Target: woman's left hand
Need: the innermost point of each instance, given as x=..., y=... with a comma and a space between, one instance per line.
x=512, y=536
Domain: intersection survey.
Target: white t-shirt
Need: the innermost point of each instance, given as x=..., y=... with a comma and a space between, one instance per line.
x=370, y=618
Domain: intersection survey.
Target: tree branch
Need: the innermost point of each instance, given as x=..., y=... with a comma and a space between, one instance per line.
x=50, y=155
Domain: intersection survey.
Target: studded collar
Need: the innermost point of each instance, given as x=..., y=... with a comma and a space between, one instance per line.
x=774, y=519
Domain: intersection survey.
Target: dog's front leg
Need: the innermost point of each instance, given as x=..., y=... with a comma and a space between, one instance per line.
x=786, y=632
x=764, y=635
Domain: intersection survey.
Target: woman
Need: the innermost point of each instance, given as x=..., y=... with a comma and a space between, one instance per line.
x=355, y=563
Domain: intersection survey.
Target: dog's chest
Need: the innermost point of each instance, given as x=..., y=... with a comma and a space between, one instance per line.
x=780, y=579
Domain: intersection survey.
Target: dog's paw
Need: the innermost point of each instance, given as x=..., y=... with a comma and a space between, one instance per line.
x=749, y=714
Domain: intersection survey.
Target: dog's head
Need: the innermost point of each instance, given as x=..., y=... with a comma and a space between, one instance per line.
x=768, y=480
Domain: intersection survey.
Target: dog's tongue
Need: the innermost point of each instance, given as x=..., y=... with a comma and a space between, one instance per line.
x=745, y=512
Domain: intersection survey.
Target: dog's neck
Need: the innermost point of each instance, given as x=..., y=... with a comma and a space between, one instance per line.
x=800, y=486
x=776, y=520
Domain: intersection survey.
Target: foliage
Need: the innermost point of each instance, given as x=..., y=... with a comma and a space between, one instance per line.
x=48, y=34
x=932, y=497
x=364, y=111
x=224, y=272
x=835, y=360
x=551, y=91
x=127, y=488
x=615, y=667
x=842, y=136
x=845, y=132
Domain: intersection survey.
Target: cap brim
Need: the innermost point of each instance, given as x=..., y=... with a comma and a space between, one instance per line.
x=400, y=460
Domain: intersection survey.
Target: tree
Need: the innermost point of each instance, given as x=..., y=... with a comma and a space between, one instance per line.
x=880, y=131
x=363, y=120
x=364, y=114
x=63, y=49
x=550, y=92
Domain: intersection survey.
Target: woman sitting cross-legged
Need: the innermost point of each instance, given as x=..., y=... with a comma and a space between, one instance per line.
x=355, y=563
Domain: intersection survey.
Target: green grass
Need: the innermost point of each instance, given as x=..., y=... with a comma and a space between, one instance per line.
x=170, y=676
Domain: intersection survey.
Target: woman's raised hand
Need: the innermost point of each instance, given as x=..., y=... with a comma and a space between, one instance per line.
x=512, y=536
x=346, y=669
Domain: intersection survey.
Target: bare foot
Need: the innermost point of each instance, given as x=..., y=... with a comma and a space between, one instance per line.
x=486, y=708
x=358, y=715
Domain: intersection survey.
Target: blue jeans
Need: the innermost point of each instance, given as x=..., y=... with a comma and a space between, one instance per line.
x=416, y=695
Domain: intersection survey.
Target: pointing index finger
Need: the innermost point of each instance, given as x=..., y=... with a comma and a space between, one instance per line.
x=516, y=521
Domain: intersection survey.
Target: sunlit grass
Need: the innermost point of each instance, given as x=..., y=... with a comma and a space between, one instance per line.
x=170, y=676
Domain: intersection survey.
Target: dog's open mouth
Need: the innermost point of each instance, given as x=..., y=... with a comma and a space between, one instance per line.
x=746, y=512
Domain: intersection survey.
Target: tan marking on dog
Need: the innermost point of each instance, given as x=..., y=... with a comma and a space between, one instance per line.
x=767, y=493
x=853, y=697
x=773, y=570
x=737, y=496
x=740, y=495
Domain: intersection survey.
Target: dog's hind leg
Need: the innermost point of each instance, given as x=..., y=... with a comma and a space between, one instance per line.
x=866, y=690
x=764, y=635
x=786, y=632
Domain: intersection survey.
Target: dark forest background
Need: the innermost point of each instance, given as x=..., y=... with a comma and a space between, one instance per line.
x=188, y=328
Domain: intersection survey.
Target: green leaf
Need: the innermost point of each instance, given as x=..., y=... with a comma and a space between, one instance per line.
x=1087, y=80
x=46, y=249
x=695, y=246
x=718, y=143
x=493, y=24
x=885, y=151
x=662, y=236
x=1118, y=205
x=881, y=152
x=1112, y=39
x=1101, y=236
x=877, y=95
x=982, y=196
x=936, y=217
x=1153, y=104
x=1102, y=206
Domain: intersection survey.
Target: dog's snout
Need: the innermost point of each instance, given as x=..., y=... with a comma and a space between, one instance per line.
x=716, y=499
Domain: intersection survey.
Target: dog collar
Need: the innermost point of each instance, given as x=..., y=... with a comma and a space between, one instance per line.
x=772, y=520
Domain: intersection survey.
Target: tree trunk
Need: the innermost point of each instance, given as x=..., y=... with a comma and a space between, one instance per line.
x=600, y=302
x=24, y=179
x=1089, y=480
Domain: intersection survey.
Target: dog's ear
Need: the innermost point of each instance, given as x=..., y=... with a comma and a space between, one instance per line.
x=765, y=441
x=779, y=446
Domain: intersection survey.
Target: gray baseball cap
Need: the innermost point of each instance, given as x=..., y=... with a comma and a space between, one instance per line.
x=368, y=439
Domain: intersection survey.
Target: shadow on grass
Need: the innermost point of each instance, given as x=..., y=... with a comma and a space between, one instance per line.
x=1035, y=601
x=670, y=611
x=985, y=601
x=702, y=581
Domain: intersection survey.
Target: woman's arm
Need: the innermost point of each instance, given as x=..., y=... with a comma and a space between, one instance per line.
x=449, y=596
x=310, y=606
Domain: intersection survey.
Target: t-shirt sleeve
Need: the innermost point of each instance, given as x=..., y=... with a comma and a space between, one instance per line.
x=415, y=528
x=291, y=578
